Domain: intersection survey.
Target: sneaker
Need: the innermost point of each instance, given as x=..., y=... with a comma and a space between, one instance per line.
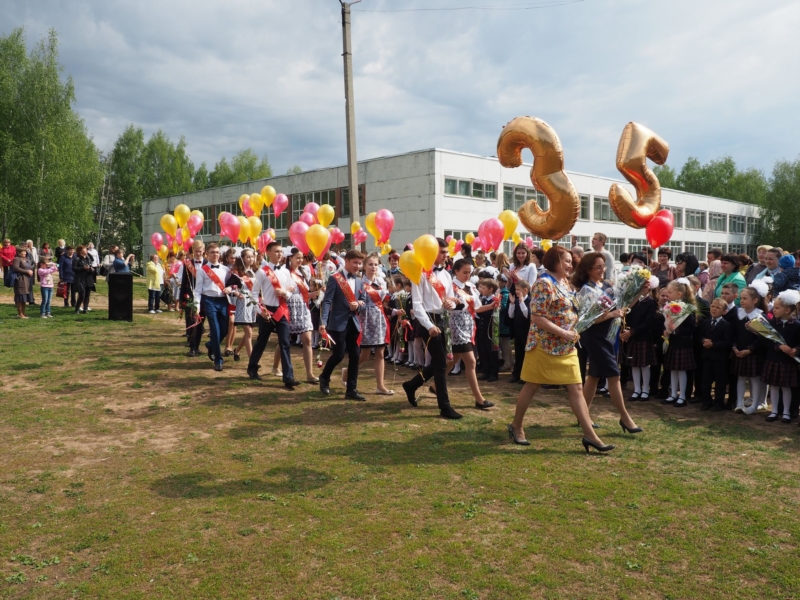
x=152, y=312
x=88, y=310
x=43, y=316
x=159, y=311
x=49, y=316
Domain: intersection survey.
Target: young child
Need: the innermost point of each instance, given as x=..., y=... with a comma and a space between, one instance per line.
x=638, y=350
x=519, y=312
x=659, y=376
x=729, y=293
x=504, y=325
x=716, y=341
x=780, y=368
x=45, y=270
x=487, y=352
x=748, y=356
x=680, y=353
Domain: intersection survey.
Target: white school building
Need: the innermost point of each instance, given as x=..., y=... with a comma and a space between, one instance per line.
x=443, y=193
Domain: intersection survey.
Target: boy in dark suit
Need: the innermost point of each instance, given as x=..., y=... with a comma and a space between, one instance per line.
x=520, y=313
x=488, y=354
x=344, y=298
x=194, y=328
x=716, y=335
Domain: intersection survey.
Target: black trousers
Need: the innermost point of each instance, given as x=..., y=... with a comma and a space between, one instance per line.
x=520, y=339
x=345, y=342
x=265, y=329
x=438, y=367
x=714, y=372
x=72, y=293
x=490, y=359
x=196, y=332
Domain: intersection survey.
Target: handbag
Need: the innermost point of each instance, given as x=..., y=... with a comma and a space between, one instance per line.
x=61, y=292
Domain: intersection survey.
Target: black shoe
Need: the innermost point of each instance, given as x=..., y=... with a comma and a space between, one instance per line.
x=513, y=436
x=192, y=353
x=291, y=383
x=253, y=374
x=491, y=379
x=449, y=413
x=644, y=397
x=594, y=425
x=786, y=419
x=635, y=396
x=514, y=380
x=218, y=366
x=679, y=403
x=354, y=395
x=599, y=448
x=235, y=357
x=695, y=400
x=411, y=395
x=325, y=386
x=210, y=352
x=629, y=429
x=432, y=390
x=717, y=408
x=483, y=377
x=771, y=417
x=485, y=406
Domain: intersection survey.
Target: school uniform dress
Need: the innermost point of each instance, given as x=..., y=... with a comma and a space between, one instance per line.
x=213, y=305
x=640, y=351
x=374, y=324
x=780, y=369
x=300, y=314
x=462, y=321
x=680, y=352
x=600, y=350
x=246, y=308
x=751, y=365
x=715, y=359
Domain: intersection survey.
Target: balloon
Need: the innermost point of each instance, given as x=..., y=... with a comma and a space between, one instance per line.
x=176, y=266
x=255, y=228
x=448, y=239
x=360, y=236
x=176, y=247
x=325, y=215
x=369, y=223
x=336, y=235
x=384, y=223
x=264, y=240
x=410, y=266
x=495, y=233
x=516, y=238
x=547, y=175
x=182, y=213
x=163, y=252
x=169, y=224
x=659, y=229
x=244, y=229
x=529, y=242
x=547, y=244
x=636, y=145
x=187, y=243
x=386, y=249
x=355, y=227
x=256, y=203
x=170, y=240
x=482, y=230
x=308, y=219
x=199, y=213
x=267, y=195
x=247, y=209
x=459, y=243
x=271, y=233
x=317, y=237
x=510, y=220
x=194, y=224
x=242, y=198
x=469, y=238
x=279, y=204
x=179, y=237
x=426, y=249
x=157, y=240
x=312, y=208
x=477, y=244
x=297, y=233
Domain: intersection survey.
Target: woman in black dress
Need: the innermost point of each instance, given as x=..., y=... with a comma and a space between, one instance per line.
x=84, y=278
x=602, y=358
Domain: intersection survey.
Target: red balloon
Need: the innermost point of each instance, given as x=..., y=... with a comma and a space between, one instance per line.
x=279, y=204
x=308, y=218
x=384, y=221
x=660, y=228
x=476, y=243
x=297, y=233
x=493, y=232
x=194, y=224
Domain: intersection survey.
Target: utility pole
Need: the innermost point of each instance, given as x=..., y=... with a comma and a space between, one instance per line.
x=352, y=161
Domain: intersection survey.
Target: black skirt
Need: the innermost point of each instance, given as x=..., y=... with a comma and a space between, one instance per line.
x=463, y=348
x=639, y=354
x=679, y=359
x=751, y=365
x=602, y=359
x=780, y=374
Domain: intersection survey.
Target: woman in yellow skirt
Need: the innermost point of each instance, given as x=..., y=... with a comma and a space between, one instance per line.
x=550, y=355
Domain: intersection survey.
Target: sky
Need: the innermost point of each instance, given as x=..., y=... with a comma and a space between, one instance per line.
x=711, y=77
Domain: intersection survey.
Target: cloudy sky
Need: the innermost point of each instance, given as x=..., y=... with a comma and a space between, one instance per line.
x=712, y=77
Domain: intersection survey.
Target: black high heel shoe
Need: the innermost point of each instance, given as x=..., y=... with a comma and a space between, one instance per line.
x=235, y=356
x=628, y=429
x=598, y=447
x=513, y=436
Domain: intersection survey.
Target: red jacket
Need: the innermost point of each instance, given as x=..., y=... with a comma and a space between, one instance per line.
x=8, y=254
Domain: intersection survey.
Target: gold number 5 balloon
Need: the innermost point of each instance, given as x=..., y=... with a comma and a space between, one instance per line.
x=636, y=145
x=547, y=175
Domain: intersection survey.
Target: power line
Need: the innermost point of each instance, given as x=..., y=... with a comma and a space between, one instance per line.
x=461, y=8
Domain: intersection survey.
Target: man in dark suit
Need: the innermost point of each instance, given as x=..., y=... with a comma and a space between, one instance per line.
x=344, y=297
x=716, y=338
x=194, y=329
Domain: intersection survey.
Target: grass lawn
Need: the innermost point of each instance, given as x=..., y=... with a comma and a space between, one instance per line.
x=130, y=471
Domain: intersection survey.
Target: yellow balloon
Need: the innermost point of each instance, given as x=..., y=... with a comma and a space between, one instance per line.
x=317, y=238
x=371, y=227
x=510, y=221
x=169, y=224
x=410, y=266
x=182, y=213
x=355, y=227
x=325, y=215
x=426, y=249
x=255, y=227
x=516, y=238
x=256, y=203
x=268, y=194
x=546, y=245
x=469, y=238
x=386, y=249
x=199, y=213
x=242, y=198
x=163, y=252
x=244, y=229
x=176, y=247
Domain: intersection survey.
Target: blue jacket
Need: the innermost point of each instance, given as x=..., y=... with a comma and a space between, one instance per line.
x=335, y=309
x=65, y=272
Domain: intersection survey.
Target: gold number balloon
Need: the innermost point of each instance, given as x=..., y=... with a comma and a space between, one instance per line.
x=636, y=145
x=547, y=175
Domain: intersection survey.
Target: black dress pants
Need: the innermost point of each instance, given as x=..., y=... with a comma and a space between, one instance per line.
x=714, y=372
x=489, y=359
x=195, y=332
x=265, y=329
x=520, y=340
x=438, y=367
x=345, y=342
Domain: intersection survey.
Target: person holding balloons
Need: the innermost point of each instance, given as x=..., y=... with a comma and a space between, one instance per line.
x=431, y=294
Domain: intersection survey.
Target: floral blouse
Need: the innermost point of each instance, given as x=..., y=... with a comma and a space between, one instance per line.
x=555, y=303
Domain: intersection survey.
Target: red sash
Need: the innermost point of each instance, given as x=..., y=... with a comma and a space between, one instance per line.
x=218, y=282
x=436, y=285
x=375, y=296
x=301, y=285
x=283, y=308
x=348, y=293
x=189, y=266
x=248, y=282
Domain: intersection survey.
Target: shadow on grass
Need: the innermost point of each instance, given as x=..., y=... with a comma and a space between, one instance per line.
x=202, y=484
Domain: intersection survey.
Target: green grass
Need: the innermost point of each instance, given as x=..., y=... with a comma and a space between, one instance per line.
x=130, y=471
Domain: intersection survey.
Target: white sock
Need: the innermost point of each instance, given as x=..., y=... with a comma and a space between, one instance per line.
x=646, y=380
x=673, y=388
x=457, y=368
x=787, y=400
x=636, y=373
x=682, y=377
x=775, y=398
x=741, y=383
x=756, y=390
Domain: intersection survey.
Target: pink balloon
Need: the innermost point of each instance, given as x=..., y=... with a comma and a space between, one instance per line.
x=188, y=244
x=247, y=209
x=194, y=224
x=448, y=238
x=494, y=231
x=231, y=229
x=482, y=230
x=157, y=240
x=529, y=242
x=179, y=236
x=359, y=237
x=311, y=208
x=308, y=219
x=459, y=243
x=297, y=233
x=477, y=244
x=384, y=221
x=169, y=239
x=279, y=204
x=264, y=240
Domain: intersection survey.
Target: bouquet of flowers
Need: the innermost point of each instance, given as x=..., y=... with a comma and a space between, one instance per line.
x=627, y=290
x=592, y=304
x=761, y=326
x=675, y=313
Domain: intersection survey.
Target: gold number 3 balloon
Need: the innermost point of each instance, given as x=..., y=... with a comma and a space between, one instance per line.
x=636, y=145
x=547, y=175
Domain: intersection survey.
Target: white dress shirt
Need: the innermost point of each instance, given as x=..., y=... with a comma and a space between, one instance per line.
x=522, y=308
x=472, y=291
x=263, y=285
x=204, y=286
x=528, y=272
x=95, y=257
x=425, y=299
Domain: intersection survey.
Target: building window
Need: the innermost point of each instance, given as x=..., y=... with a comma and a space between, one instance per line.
x=675, y=246
x=472, y=189
x=616, y=246
x=208, y=221
x=268, y=220
x=696, y=219
x=752, y=251
x=754, y=226
x=677, y=213
x=717, y=222
x=735, y=248
x=721, y=247
x=344, y=212
x=603, y=212
x=637, y=245
x=515, y=197
x=582, y=241
x=584, y=214
x=736, y=224
x=696, y=248
x=457, y=235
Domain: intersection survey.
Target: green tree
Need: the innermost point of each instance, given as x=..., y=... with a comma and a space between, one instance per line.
x=244, y=166
x=200, y=179
x=127, y=189
x=781, y=206
x=721, y=178
x=294, y=170
x=666, y=176
x=222, y=174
